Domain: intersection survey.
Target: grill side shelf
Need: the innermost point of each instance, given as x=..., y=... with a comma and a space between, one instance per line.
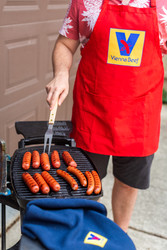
x=23, y=194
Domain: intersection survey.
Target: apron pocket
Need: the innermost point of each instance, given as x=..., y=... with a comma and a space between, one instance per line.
x=114, y=118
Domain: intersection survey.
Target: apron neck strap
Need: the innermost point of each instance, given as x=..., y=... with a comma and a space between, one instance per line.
x=153, y=3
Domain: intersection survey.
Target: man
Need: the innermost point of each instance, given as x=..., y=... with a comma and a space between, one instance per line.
x=118, y=88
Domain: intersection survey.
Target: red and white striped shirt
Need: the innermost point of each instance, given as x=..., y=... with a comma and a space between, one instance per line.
x=83, y=14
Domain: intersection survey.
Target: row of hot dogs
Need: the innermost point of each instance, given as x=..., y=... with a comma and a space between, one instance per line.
x=44, y=181
x=43, y=160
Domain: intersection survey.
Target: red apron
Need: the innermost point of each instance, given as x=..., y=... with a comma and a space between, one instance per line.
x=118, y=88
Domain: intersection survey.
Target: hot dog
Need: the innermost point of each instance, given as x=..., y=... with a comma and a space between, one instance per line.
x=97, y=181
x=90, y=179
x=26, y=160
x=53, y=184
x=35, y=159
x=55, y=159
x=68, y=178
x=30, y=182
x=41, y=183
x=78, y=174
x=45, y=164
x=68, y=159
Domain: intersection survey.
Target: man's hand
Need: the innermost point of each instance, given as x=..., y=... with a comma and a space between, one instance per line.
x=57, y=90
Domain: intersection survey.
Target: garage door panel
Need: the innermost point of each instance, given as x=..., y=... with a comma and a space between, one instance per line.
x=22, y=61
x=15, y=11
x=21, y=68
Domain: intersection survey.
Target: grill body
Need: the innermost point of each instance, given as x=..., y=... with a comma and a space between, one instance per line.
x=23, y=195
x=33, y=134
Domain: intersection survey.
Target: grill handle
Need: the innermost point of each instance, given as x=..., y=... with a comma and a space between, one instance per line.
x=3, y=168
x=40, y=140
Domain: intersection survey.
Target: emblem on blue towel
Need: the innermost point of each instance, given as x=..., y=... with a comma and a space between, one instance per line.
x=95, y=239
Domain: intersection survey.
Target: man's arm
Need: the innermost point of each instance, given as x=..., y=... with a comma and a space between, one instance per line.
x=63, y=53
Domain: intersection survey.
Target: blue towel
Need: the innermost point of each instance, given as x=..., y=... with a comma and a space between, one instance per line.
x=73, y=224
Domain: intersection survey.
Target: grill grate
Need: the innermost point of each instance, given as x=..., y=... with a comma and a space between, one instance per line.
x=23, y=194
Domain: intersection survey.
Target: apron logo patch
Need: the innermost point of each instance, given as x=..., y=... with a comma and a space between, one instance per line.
x=125, y=47
x=95, y=239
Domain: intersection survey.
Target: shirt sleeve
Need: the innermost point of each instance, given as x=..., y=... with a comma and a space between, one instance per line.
x=162, y=17
x=69, y=28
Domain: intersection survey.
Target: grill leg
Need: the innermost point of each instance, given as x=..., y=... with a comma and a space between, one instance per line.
x=3, y=225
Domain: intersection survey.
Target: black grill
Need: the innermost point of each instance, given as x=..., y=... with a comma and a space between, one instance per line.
x=33, y=136
x=23, y=195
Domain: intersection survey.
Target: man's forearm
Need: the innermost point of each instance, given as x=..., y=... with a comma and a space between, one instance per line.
x=63, y=55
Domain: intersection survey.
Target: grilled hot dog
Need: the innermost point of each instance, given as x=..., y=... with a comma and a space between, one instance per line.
x=45, y=164
x=55, y=159
x=53, y=184
x=35, y=159
x=68, y=159
x=41, y=183
x=97, y=187
x=30, y=182
x=26, y=160
x=78, y=174
x=90, y=179
x=68, y=178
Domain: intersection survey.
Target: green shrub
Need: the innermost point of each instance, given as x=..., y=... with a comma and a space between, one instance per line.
x=164, y=96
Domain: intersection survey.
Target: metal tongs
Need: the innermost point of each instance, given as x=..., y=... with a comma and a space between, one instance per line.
x=49, y=132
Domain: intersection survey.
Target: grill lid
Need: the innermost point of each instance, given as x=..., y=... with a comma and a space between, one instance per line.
x=23, y=195
x=60, y=128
